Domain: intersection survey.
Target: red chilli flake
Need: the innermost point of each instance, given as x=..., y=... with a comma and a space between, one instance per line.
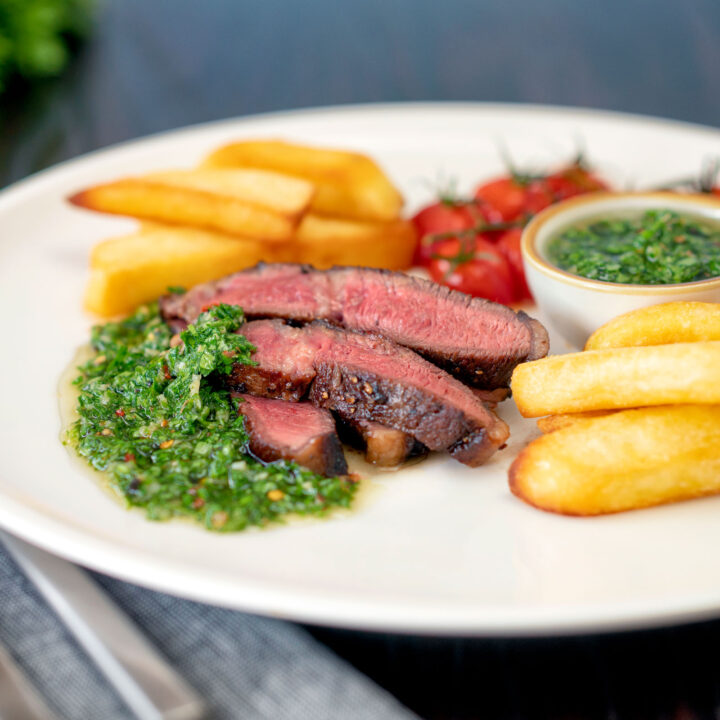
x=166, y=370
x=120, y=412
x=129, y=457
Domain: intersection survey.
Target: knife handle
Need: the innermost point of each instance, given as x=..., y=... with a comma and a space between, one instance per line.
x=141, y=676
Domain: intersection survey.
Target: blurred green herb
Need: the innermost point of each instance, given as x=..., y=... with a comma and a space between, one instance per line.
x=36, y=36
x=660, y=248
x=157, y=417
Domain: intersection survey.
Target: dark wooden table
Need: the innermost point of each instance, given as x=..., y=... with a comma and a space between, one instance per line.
x=152, y=65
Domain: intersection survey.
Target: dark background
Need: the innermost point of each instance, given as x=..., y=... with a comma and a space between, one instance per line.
x=151, y=65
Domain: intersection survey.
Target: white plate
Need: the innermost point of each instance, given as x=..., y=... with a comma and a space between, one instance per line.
x=435, y=548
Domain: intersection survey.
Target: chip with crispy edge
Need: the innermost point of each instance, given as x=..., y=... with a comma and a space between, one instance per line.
x=624, y=461
x=129, y=270
x=617, y=378
x=660, y=325
x=349, y=184
x=323, y=242
x=247, y=203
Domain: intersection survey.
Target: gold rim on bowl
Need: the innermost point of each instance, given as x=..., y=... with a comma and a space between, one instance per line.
x=700, y=204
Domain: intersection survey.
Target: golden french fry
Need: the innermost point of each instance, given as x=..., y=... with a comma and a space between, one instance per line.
x=631, y=459
x=280, y=193
x=348, y=184
x=324, y=242
x=550, y=423
x=130, y=270
x=660, y=325
x=616, y=378
x=248, y=203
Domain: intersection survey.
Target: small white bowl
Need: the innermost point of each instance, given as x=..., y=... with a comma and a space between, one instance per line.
x=576, y=306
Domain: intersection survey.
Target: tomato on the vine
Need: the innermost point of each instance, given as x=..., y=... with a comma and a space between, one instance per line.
x=516, y=197
x=440, y=218
x=508, y=199
x=474, y=266
x=474, y=245
x=573, y=180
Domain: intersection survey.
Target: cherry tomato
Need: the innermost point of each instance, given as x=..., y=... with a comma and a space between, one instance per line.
x=508, y=199
x=440, y=217
x=504, y=198
x=571, y=181
x=488, y=262
x=509, y=245
x=473, y=266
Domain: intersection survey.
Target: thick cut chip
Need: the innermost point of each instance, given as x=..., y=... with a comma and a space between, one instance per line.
x=279, y=193
x=248, y=203
x=617, y=378
x=133, y=269
x=324, y=242
x=627, y=460
x=348, y=184
x=660, y=325
x=550, y=423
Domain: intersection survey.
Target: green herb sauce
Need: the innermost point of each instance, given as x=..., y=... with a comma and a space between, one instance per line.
x=660, y=248
x=155, y=415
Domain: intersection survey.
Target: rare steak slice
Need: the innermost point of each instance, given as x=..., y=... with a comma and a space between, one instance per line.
x=285, y=366
x=383, y=446
x=476, y=340
x=363, y=377
x=280, y=430
x=268, y=290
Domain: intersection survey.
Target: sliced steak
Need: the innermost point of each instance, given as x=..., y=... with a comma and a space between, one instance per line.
x=280, y=430
x=366, y=377
x=383, y=446
x=476, y=340
x=285, y=368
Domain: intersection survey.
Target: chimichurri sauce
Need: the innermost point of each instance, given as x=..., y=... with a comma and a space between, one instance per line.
x=154, y=414
x=660, y=248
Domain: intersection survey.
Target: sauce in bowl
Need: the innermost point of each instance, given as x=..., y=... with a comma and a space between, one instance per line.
x=661, y=247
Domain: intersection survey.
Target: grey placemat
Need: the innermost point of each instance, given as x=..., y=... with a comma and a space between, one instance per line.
x=244, y=666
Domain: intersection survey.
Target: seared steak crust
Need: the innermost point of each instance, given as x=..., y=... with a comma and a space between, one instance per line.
x=269, y=383
x=365, y=377
x=403, y=407
x=476, y=340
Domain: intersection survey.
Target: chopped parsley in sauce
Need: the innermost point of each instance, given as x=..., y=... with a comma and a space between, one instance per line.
x=156, y=417
x=659, y=248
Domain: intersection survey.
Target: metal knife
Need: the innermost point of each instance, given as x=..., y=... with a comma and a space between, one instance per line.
x=141, y=676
